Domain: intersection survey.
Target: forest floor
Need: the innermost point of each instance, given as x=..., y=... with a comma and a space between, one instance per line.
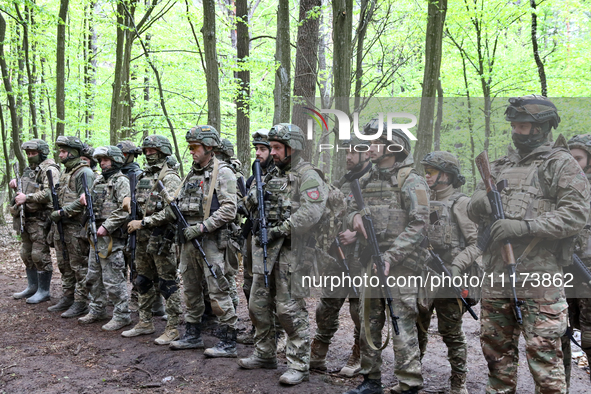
x=41, y=352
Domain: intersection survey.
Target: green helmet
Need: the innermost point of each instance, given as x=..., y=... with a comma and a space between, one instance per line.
x=206, y=135
x=261, y=137
x=158, y=142
x=129, y=147
x=226, y=148
x=533, y=109
x=446, y=162
x=355, y=141
x=70, y=142
x=398, y=137
x=38, y=145
x=111, y=152
x=288, y=134
x=581, y=141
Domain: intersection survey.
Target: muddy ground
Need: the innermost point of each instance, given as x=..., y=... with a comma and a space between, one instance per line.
x=41, y=352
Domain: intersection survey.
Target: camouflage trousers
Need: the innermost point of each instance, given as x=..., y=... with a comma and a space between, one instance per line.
x=194, y=271
x=34, y=248
x=579, y=310
x=74, y=270
x=407, y=366
x=108, y=281
x=327, y=318
x=156, y=267
x=544, y=322
x=449, y=325
x=291, y=314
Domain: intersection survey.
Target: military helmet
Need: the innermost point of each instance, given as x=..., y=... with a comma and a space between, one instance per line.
x=261, y=137
x=398, y=136
x=288, y=134
x=581, y=141
x=226, y=147
x=355, y=141
x=206, y=135
x=446, y=162
x=70, y=142
x=533, y=109
x=38, y=145
x=111, y=152
x=129, y=147
x=158, y=142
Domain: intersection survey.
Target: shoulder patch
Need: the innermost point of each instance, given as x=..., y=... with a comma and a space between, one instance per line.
x=313, y=194
x=422, y=198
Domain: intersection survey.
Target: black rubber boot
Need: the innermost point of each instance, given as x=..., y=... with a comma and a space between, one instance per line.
x=63, y=304
x=42, y=293
x=32, y=281
x=226, y=347
x=191, y=338
x=78, y=308
x=368, y=386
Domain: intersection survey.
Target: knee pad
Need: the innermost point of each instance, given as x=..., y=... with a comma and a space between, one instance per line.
x=143, y=284
x=167, y=287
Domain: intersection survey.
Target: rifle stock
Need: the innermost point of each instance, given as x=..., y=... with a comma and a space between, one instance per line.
x=56, y=207
x=91, y=218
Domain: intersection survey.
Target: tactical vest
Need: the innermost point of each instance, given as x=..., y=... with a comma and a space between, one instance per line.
x=445, y=234
x=103, y=197
x=67, y=191
x=33, y=182
x=148, y=198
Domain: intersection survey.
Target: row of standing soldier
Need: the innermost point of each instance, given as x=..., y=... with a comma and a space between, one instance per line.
x=546, y=198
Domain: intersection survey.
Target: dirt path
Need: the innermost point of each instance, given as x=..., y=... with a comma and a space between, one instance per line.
x=41, y=352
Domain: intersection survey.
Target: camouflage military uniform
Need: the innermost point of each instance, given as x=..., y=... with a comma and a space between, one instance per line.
x=34, y=248
x=108, y=278
x=547, y=198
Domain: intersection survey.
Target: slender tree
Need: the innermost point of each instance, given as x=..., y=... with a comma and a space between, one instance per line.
x=534, y=44
x=281, y=93
x=60, y=69
x=243, y=78
x=214, y=114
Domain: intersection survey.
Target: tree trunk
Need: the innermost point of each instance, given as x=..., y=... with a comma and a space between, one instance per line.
x=243, y=99
x=15, y=131
x=90, y=52
x=31, y=80
x=439, y=120
x=60, y=69
x=534, y=44
x=367, y=10
x=4, y=141
x=306, y=67
x=469, y=121
x=342, y=32
x=281, y=93
x=437, y=10
x=322, y=159
x=211, y=60
x=48, y=97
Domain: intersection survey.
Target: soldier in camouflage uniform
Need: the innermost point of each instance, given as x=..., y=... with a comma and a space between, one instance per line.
x=545, y=201
x=87, y=155
x=207, y=200
x=155, y=258
x=71, y=214
x=35, y=198
x=580, y=308
x=327, y=310
x=297, y=201
x=107, y=277
x=453, y=237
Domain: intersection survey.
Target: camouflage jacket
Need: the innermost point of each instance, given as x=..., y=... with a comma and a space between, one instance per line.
x=149, y=201
x=36, y=185
x=71, y=188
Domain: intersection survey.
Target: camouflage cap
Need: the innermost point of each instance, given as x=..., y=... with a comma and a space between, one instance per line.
x=581, y=141
x=111, y=152
x=288, y=134
x=158, y=142
x=446, y=162
x=206, y=135
x=533, y=109
x=129, y=147
x=38, y=145
x=398, y=136
x=69, y=142
x=261, y=137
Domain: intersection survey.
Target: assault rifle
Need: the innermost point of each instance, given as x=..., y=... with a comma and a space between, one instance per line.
x=376, y=255
x=261, y=221
x=91, y=218
x=133, y=216
x=441, y=268
x=580, y=270
x=183, y=224
x=56, y=207
x=19, y=189
x=494, y=197
x=339, y=249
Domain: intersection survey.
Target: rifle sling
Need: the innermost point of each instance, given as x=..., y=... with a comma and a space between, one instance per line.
x=213, y=180
x=109, y=248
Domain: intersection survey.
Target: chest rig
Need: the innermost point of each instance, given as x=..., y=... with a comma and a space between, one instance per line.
x=444, y=232
x=67, y=191
x=194, y=193
x=104, y=198
x=33, y=182
x=148, y=198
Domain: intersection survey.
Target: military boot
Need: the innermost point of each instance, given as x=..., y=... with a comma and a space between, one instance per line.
x=457, y=383
x=255, y=362
x=293, y=377
x=116, y=324
x=42, y=293
x=78, y=308
x=226, y=347
x=32, y=281
x=63, y=304
x=191, y=339
x=92, y=317
x=368, y=386
x=141, y=328
x=170, y=335
x=246, y=337
x=398, y=390
x=158, y=307
x=353, y=365
x=318, y=355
